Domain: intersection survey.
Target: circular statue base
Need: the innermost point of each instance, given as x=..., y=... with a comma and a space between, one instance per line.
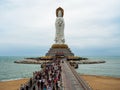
x=59, y=46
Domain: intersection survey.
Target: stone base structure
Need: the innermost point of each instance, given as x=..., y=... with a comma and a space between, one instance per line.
x=59, y=50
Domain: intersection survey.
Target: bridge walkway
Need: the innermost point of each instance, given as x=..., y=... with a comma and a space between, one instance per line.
x=71, y=80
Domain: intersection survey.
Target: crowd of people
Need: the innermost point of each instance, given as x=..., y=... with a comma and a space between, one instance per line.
x=49, y=78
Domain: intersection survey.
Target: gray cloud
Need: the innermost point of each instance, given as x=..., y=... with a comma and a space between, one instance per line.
x=88, y=23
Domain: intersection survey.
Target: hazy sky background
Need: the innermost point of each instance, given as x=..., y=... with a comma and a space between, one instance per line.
x=92, y=27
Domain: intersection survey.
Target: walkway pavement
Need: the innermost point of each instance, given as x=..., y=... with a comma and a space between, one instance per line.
x=70, y=82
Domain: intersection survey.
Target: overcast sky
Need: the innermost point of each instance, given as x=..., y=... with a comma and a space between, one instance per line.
x=92, y=27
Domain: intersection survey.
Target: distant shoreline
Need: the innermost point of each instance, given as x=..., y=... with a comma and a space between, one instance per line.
x=13, y=79
x=99, y=76
x=7, y=80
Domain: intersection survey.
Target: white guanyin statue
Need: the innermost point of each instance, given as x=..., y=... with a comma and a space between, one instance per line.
x=59, y=24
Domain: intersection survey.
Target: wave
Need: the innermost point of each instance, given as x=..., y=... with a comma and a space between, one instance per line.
x=11, y=79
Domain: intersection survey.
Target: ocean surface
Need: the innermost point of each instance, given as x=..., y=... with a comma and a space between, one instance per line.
x=11, y=71
x=110, y=68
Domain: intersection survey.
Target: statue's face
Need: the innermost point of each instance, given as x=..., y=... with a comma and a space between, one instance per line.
x=59, y=13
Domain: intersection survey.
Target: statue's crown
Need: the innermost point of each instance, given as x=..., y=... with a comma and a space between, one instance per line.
x=61, y=9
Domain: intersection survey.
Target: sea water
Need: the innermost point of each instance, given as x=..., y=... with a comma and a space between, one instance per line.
x=110, y=68
x=11, y=71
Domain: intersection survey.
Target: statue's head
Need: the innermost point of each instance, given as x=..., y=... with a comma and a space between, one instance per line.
x=59, y=12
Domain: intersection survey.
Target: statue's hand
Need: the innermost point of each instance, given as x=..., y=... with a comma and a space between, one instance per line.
x=60, y=23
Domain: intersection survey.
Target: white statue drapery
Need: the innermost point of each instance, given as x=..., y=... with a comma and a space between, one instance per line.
x=59, y=24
